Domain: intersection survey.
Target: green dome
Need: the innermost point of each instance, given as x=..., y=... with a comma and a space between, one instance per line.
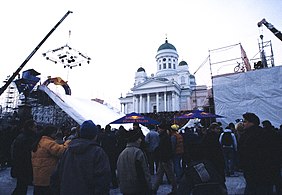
x=166, y=45
x=182, y=63
x=141, y=69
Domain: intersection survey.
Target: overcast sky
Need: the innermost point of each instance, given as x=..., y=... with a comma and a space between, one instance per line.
x=121, y=36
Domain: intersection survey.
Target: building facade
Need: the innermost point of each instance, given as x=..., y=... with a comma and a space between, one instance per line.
x=172, y=88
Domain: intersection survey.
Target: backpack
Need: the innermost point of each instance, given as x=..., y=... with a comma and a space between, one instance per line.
x=201, y=176
x=227, y=139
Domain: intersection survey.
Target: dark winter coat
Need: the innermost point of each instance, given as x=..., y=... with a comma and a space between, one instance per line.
x=258, y=154
x=212, y=151
x=83, y=169
x=21, y=156
x=164, y=150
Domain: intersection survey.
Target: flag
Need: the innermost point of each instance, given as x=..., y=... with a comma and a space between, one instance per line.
x=245, y=59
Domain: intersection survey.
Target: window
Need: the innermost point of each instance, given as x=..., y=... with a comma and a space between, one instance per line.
x=164, y=65
x=160, y=66
x=169, y=65
x=173, y=66
x=155, y=108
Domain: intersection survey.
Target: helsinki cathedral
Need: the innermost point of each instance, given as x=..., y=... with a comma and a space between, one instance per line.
x=171, y=88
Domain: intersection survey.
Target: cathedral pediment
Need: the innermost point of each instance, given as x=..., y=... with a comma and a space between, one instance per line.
x=153, y=84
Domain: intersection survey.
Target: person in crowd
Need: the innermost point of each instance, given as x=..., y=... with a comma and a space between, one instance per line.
x=239, y=126
x=21, y=168
x=257, y=156
x=45, y=156
x=132, y=167
x=143, y=146
x=177, y=149
x=228, y=142
x=84, y=167
x=280, y=130
x=66, y=132
x=200, y=174
x=212, y=150
x=73, y=133
x=59, y=137
x=109, y=144
x=121, y=139
x=273, y=148
x=165, y=156
x=152, y=140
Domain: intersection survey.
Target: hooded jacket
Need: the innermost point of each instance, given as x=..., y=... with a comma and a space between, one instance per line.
x=45, y=159
x=84, y=169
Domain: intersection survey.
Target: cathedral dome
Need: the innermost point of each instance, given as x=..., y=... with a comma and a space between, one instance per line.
x=166, y=45
x=141, y=69
x=183, y=63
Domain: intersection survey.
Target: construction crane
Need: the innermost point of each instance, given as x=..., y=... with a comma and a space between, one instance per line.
x=276, y=32
x=10, y=80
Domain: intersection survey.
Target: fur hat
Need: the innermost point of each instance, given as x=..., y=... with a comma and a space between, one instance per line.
x=88, y=130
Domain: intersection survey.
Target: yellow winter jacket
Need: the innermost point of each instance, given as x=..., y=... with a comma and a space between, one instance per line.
x=45, y=159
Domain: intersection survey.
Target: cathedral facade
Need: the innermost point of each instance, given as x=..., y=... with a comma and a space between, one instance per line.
x=171, y=88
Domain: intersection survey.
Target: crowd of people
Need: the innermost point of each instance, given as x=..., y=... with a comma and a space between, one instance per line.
x=90, y=159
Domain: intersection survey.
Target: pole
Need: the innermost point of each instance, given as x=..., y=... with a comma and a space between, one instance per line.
x=31, y=54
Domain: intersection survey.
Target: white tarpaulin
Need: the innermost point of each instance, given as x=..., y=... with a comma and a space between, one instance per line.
x=83, y=109
x=257, y=91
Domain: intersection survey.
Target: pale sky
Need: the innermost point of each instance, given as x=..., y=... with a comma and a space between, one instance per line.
x=121, y=36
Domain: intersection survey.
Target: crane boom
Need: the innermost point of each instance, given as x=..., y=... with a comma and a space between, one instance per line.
x=10, y=80
x=276, y=32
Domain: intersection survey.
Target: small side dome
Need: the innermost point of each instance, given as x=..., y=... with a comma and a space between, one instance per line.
x=191, y=76
x=166, y=45
x=141, y=69
x=183, y=63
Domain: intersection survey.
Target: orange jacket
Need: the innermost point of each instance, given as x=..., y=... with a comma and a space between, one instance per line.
x=45, y=159
x=179, y=149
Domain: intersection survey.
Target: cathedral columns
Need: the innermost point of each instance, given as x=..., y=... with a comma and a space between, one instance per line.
x=134, y=103
x=165, y=104
x=157, y=101
x=140, y=104
x=148, y=102
x=173, y=101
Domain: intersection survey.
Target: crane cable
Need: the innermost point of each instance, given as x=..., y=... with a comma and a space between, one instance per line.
x=203, y=63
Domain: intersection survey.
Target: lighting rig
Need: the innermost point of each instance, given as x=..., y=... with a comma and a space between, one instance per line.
x=67, y=56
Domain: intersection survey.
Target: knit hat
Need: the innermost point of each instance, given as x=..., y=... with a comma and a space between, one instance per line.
x=174, y=127
x=88, y=130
